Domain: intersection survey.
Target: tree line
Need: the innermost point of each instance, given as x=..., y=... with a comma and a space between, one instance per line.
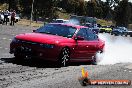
x=119, y=11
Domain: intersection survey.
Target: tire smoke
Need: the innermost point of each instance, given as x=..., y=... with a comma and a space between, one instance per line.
x=118, y=49
x=73, y=21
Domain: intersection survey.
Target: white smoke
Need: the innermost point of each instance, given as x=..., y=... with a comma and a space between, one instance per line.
x=117, y=49
x=73, y=21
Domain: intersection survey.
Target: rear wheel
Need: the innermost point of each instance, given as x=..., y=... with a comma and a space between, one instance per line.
x=64, y=57
x=125, y=35
x=94, y=60
x=97, y=58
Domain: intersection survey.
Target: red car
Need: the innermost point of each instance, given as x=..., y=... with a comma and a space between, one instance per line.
x=59, y=42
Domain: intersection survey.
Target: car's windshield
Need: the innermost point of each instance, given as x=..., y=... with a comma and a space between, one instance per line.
x=57, y=29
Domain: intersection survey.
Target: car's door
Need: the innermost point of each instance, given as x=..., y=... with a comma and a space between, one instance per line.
x=92, y=43
x=81, y=47
x=86, y=48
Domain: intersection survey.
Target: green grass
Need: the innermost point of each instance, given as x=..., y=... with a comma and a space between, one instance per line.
x=130, y=27
x=104, y=22
x=63, y=15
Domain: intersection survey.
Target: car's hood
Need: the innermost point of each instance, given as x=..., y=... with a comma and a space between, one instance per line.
x=43, y=38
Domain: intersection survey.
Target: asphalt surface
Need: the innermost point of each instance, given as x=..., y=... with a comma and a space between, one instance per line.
x=42, y=74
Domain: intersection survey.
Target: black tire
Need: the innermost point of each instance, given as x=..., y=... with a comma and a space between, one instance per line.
x=64, y=57
x=94, y=60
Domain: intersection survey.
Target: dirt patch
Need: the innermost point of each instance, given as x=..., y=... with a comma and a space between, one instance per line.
x=29, y=23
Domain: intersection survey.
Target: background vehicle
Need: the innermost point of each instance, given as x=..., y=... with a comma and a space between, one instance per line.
x=1, y=18
x=62, y=43
x=17, y=18
x=59, y=21
x=119, y=31
x=93, y=27
x=128, y=33
x=106, y=29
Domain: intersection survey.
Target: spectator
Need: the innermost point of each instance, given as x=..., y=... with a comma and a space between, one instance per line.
x=6, y=14
x=13, y=14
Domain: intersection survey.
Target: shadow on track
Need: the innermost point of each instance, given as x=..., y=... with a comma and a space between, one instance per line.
x=37, y=63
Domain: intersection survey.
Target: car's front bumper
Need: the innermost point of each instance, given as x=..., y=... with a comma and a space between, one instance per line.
x=35, y=51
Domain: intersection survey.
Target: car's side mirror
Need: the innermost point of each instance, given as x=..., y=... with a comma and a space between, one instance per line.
x=79, y=38
x=34, y=30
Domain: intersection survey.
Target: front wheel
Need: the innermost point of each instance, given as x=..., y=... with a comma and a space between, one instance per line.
x=64, y=57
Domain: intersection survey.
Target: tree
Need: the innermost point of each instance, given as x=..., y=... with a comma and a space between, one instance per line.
x=95, y=8
x=122, y=13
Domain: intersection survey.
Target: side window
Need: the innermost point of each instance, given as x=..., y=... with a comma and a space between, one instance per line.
x=82, y=33
x=91, y=35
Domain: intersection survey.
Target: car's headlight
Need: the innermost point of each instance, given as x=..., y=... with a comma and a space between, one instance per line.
x=47, y=46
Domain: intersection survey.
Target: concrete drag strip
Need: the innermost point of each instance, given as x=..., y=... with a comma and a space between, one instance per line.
x=68, y=77
x=28, y=74
x=117, y=49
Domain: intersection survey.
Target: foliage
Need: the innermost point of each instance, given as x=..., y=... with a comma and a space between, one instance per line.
x=119, y=11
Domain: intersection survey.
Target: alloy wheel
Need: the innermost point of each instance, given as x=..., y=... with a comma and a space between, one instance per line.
x=65, y=57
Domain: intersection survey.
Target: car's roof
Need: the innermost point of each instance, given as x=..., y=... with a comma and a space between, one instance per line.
x=72, y=25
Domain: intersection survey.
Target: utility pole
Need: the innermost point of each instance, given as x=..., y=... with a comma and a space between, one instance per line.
x=31, y=13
